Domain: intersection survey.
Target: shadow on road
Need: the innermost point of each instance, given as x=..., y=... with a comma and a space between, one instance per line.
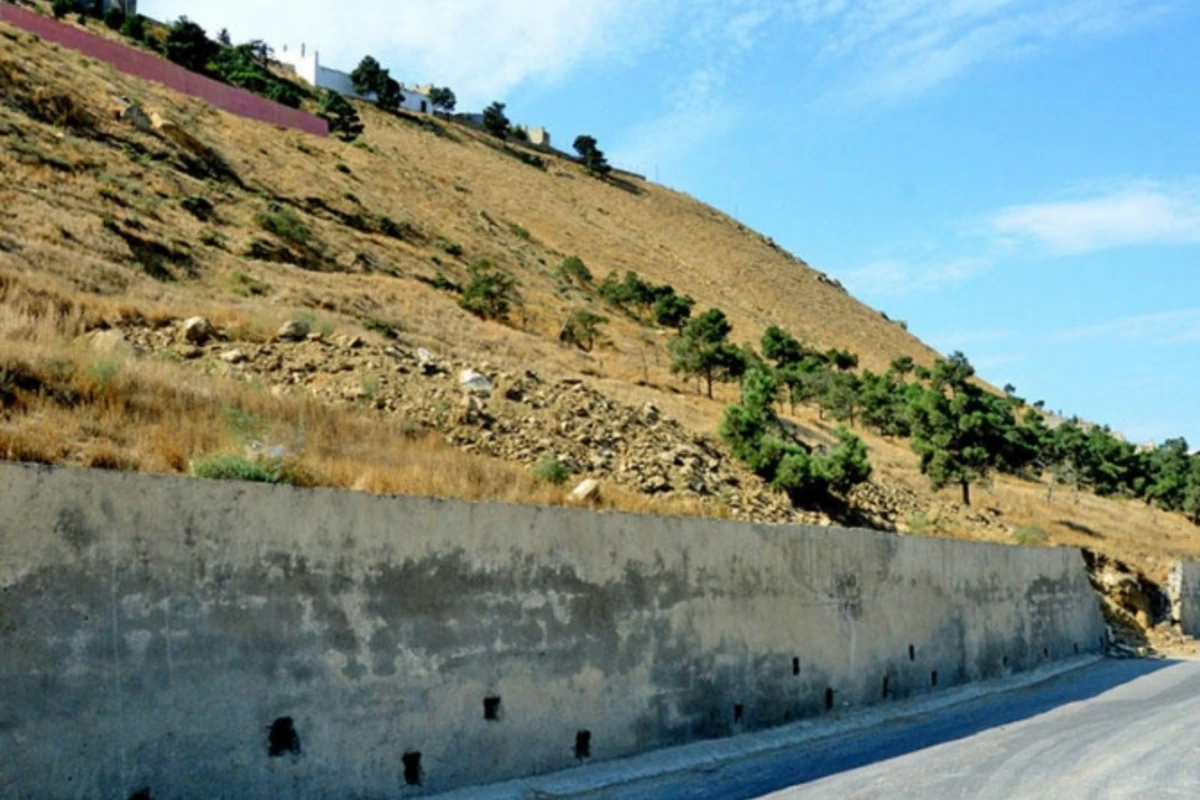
x=755, y=776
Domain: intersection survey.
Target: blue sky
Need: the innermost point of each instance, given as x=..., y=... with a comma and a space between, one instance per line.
x=1019, y=179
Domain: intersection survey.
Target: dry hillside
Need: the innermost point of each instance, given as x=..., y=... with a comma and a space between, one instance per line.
x=111, y=236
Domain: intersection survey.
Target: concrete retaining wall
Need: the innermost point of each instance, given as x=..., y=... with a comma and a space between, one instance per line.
x=151, y=67
x=160, y=632
x=1185, y=596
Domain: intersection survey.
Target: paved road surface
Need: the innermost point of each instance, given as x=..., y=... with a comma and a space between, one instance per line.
x=1114, y=729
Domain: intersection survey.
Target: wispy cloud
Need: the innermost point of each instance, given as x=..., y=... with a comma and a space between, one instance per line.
x=894, y=278
x=715, y=36
x=482, y=48
x=1142, y=213
x=902, y=48
x=1162, y=328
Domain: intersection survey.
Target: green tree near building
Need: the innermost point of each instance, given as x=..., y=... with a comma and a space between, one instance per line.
x=342, y=118
x=496, y=122
x=189, y=46
x=443, y=99
x=592, y=156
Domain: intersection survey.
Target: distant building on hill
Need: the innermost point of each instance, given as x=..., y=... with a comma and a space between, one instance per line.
x=538, y=137
x=307, y=66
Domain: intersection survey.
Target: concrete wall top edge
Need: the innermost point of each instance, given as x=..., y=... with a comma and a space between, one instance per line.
x=257, y=505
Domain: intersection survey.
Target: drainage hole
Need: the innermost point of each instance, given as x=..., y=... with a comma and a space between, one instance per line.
x=829, y=699
x=282, y=738
x=795, y=666
x=739, y=713
x=491, y=709
x=412, y=769
x=583, y=745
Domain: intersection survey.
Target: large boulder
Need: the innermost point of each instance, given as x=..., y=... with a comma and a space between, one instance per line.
x=198, y=330
x=475, y=383
x=586, y=493
x=294, y=330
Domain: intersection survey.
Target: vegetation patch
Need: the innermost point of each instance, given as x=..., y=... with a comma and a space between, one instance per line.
x=551, y=470
x=490, y=293
x=198, y=207
x=232, y=467
x=1031, y=535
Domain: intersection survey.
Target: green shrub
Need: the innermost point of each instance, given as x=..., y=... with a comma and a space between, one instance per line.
x=114, y=18
x=919, y=523
x=582, y=328
x=344, y=169
x=134, y=27
x=316, y=324
x=388, y=227
x=386, y=328
x=1031, y=535
x=450, y=248
x=490, y=293
x=284, y=223
x=520, y=231
x=573, y=269
x=551, y=470
x=197, y=206
x=60, y=8
x=343, y=120
x=246, y=285
x=231, y=467
x=105, y=372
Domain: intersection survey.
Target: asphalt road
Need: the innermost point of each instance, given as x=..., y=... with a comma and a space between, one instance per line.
x=1114, y=729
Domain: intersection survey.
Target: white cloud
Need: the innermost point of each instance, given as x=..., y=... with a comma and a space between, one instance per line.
x=897, y=278
x=1137, y=214
x=482, y=48
x=897, y=49
x=1161, y=328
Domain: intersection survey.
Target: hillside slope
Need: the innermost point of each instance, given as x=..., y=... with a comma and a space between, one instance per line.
x=110, y=236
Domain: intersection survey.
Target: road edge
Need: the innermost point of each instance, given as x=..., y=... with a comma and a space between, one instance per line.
x=664, y=763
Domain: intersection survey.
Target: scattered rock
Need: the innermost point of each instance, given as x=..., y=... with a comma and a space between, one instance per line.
x=110, y=343
x=184, y=140
x=475, y=383
x=234, y=357
x=426, y=362
x=586, y=492
x=125, y=110
x=198, y=330
x=469, y=410
x=294, y=330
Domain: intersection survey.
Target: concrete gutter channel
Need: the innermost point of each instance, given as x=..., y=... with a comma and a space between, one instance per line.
x=611, y=776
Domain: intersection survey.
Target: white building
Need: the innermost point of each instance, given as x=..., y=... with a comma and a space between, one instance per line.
x=307, y=65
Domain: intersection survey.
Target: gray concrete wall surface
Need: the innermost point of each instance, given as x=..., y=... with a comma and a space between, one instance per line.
x=166, y=634
x=1184, y=591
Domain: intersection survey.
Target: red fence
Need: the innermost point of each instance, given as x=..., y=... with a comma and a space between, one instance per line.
x=152, y=68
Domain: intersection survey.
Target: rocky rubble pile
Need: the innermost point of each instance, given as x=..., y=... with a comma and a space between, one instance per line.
x=515, y=416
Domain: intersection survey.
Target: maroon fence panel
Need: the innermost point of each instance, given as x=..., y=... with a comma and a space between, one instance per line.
x=145, y=65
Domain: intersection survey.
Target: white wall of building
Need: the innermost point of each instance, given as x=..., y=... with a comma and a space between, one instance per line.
x=308, y=67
